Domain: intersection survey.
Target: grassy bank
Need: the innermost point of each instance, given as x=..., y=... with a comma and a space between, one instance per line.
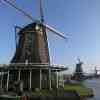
x=69, y=92
x=82, y=90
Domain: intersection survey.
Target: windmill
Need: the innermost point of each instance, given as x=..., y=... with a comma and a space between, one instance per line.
x=40, y=27
x=31, y=62
x=78, y=75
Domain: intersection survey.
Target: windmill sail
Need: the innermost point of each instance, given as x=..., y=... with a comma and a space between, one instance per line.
x=53, y=30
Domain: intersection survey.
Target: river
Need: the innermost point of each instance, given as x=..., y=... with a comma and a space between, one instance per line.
x=95, y=85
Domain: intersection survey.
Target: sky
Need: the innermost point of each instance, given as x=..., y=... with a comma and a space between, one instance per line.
x=79, y=20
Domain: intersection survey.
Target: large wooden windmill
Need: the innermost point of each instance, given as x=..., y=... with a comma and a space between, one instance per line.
x=31, y=62
x=32, y=45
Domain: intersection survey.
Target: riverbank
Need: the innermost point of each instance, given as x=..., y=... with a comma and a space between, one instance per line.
x=69, y=92
x=95, y=85
x=44, y=95
x=81, y=89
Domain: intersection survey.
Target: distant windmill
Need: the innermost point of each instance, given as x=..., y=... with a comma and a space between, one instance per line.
x=78, y=74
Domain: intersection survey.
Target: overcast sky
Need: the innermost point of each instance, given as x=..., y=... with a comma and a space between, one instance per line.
x=80, y=19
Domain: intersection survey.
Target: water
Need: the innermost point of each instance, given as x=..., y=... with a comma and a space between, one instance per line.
x=95, y=85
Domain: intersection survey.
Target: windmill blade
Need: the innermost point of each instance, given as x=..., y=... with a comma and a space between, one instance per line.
x=55, y=31
x=20, y=10
x=32, y=19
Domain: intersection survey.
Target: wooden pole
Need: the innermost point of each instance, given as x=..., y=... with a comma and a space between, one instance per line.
x=8, y=80
x=40, y=79
x=56, y=79
x=19, y=75
x=30, y=79
x=1, y=79
x=63, y=80
x=49, y=78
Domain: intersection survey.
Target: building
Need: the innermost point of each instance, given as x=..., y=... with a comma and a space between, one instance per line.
x=30, y=67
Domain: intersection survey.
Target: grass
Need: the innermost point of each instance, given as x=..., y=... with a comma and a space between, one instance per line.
x=79, y=88
x=41, y=93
